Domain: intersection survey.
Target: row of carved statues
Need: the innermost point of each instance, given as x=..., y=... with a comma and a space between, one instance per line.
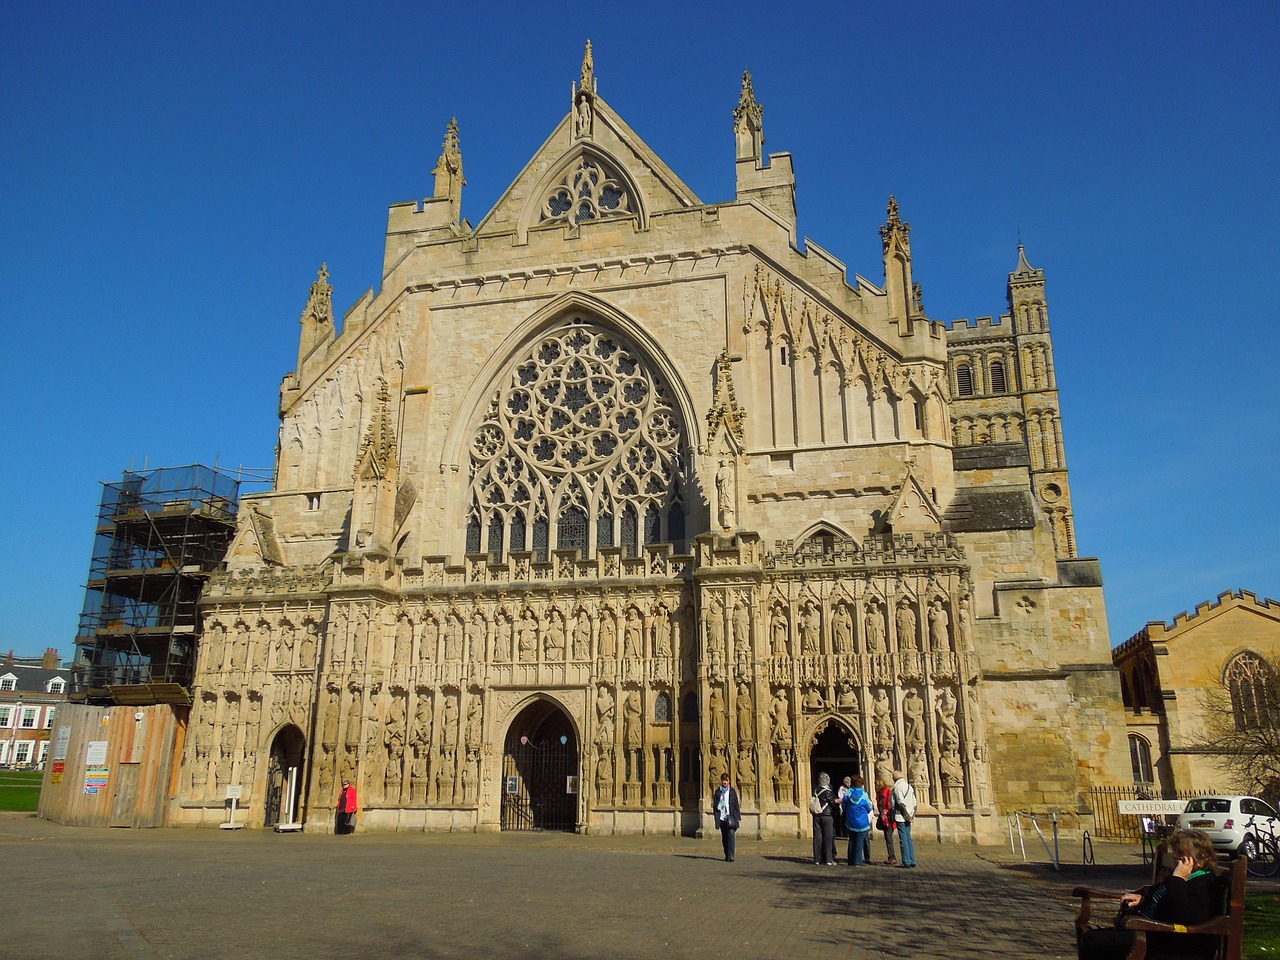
x=545, y=633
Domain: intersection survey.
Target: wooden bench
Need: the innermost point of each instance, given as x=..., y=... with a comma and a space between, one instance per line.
x=1228, y=926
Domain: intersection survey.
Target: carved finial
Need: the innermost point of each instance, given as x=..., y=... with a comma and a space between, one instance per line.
x=448, y=171
x=1024, y=272
x=725, y=410
x=895, y=229
x=748, y=121
x=378, y=450
x=588, y=81
x=319, y=307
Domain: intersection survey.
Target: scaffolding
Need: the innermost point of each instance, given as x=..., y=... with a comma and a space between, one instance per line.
x=160, y=533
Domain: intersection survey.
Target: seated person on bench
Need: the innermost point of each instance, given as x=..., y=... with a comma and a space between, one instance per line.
x=1187, y=896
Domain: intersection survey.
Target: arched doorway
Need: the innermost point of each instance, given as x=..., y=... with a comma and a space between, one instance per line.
x=284, y=778
x=835, y=752
x=540, y=770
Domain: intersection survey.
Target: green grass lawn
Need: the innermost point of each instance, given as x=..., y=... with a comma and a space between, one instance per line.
x=1261, y=927
x=20, y=789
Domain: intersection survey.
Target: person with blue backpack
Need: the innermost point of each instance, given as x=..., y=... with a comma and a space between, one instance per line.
x=857, y=809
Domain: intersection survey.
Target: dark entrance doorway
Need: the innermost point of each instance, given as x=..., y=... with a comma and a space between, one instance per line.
x=835, y=752
x=540, y=771
x=284, y=778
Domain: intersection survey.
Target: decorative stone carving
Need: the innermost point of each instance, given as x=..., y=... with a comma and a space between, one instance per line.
x=716, y=714
x=778, y=630
x=780, y=715
x=554, y=641
x=608, y=635
x=908, y=635
x=726, y=494
x=475, y=724
x=604, y=717
x=920, y=776
x=632, y=643
x=882, y=720
x=842, y=631
x=948, y=730
x=939, y=624
x=810, y=630
x=913, y=717
x=746, y=716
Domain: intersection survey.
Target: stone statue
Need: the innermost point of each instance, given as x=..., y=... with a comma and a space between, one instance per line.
x=845, y=699
x=715, y=711
x=779, y=630
x=746, y=715
x=608, y=635
x=422, y=722
x=404, y=641
x=475, y=736
x=501, y=638
x=554, y=640
x=215, y=644
x=604, y=717
x=780, y=713
x=907, y=635
x=913, y=714
x=582, y=637
x=810, y=627
x=746, y=769
x=527, y=638
x=453, y=638
x=715, y=626
x=662, y=633
x=948, y=731
x=742, y=630
x=881, y=721
x=631, y=722
x=475, y=637
x=884, y=766
x=449, y=735
x=310, y=642
x=939, y=636
x=920, y=776
x=874, y=622
x=632, y=643
x=725, y=494
x=842, y=631
x=604, y=771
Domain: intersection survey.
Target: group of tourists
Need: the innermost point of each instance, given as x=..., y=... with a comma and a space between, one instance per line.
x=892, y=812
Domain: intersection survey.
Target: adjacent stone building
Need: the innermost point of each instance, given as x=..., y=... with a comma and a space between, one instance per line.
x=1224, y=656
x=620, y=489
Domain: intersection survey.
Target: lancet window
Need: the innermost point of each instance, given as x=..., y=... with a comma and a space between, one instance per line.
x=589, y=191
x=581, y=441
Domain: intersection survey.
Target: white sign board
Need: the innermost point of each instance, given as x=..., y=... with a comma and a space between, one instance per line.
x=61, y=741
x=1151, y=808
x=96, y=754
x=235, y=791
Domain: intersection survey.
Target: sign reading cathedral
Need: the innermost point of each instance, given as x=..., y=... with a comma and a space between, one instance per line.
x=620, y=490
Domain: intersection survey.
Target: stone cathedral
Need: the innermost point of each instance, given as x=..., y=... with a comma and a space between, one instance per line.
x=619, y=490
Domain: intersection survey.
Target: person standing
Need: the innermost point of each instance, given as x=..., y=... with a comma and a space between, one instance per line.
x=885, y=819
x=347, y=807
x=728, y=817
x=822, y=805
x=857, y=809
x=904, y=806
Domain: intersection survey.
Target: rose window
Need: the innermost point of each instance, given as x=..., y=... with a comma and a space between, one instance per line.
x=588, y=192
x=581, y=448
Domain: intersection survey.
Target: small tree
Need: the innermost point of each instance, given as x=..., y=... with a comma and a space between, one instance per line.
x=1242, y=726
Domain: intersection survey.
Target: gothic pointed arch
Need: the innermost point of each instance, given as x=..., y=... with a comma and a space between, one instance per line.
x=580, y=425
x=586, y=184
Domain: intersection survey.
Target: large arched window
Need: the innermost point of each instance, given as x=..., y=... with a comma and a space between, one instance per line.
x=1252, y=684
x=583, y=440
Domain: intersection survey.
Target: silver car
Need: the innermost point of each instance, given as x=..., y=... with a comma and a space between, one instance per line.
x=1232, y=823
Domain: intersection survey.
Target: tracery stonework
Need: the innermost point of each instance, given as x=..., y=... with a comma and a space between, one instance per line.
x=628, y=480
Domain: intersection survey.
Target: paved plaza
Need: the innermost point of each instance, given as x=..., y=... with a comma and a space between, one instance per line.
x=142, y=894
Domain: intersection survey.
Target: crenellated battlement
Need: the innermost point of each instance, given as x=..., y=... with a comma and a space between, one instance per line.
x=1158, y=630
x=980, y=328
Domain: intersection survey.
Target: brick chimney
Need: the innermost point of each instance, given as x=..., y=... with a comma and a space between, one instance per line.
x=50, y=661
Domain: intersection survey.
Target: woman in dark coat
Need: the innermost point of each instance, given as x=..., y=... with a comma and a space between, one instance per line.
x=824, y=836
x=728, y=817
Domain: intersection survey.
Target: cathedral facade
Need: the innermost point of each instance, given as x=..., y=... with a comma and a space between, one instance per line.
x=620, y=490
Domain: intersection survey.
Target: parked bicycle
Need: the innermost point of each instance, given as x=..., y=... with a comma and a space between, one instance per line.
x=1262, y=847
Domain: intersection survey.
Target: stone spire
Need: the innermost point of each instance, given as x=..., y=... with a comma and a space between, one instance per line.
x=584, y=96
x=448, y=171
x=1025, y=271
x=748, y=122
x=904, y=295
x=726, y=413
x=317, y=316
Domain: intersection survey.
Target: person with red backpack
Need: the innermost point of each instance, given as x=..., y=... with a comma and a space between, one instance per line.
x=885, y=819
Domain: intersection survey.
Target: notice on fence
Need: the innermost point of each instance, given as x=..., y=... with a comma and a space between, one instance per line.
x=1151, y=808
x=61, y=740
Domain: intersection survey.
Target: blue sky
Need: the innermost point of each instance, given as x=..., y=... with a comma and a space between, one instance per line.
x=174, y=177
